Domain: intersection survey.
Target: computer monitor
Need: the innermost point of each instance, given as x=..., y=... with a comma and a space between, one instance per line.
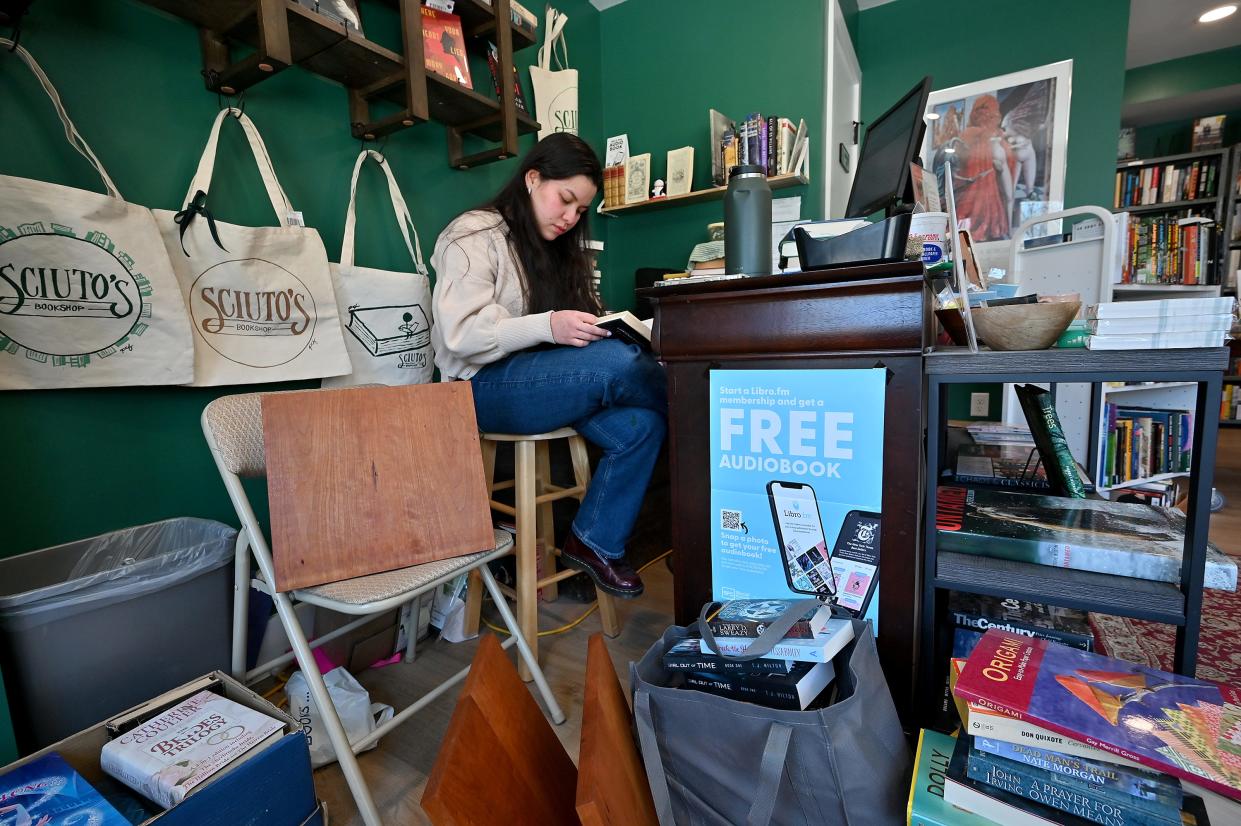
x=890, y=145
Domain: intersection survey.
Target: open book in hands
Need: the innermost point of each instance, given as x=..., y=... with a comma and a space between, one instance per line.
x=627, y=327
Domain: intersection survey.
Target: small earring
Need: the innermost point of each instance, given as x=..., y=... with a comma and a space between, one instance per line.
x=529, y=189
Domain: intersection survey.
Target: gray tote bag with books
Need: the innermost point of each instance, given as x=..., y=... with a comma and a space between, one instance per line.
x=714, y=761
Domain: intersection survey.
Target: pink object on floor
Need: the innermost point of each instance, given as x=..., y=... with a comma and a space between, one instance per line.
x=322, y=660
x=393, y=660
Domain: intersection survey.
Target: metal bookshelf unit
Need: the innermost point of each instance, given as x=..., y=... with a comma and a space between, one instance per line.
x=1198, y=372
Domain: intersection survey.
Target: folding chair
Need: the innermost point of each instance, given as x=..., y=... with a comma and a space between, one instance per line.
x=233, y=426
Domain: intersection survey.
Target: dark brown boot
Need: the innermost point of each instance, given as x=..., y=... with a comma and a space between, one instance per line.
x=612, y=576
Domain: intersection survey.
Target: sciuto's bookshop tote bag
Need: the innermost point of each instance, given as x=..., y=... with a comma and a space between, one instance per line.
x=555, y=84
x=387, y=315
x=87, y=294
x=715, y=761
x=260, y=298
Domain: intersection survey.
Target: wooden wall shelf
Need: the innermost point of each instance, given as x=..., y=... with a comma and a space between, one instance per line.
x=283, y=33
x=715, y=193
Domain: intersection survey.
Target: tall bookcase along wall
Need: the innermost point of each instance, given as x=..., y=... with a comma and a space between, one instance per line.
x=1164, y=193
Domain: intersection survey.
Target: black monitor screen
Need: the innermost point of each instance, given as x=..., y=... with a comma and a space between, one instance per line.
x=890, y=145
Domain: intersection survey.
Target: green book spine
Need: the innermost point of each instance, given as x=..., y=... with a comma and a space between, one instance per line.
x=1040, y=412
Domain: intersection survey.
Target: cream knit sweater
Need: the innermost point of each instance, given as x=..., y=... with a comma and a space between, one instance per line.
x=478, y=304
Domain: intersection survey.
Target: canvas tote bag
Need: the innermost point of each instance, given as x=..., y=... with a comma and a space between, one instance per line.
x=260, y=298
x=87, y=294
x=714, y=761
x=387, y=315
x=555, y=84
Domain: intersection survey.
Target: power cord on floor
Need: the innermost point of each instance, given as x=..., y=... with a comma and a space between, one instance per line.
x=592, y=609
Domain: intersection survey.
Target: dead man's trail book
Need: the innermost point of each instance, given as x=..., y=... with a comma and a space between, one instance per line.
x=170, y=755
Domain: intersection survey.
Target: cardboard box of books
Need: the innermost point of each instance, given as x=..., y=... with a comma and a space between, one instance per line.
x=209, y=753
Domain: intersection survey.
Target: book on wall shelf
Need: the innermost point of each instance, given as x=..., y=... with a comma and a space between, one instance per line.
x=443, y=46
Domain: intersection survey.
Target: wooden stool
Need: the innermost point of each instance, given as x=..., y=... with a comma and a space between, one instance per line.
x=533, y=495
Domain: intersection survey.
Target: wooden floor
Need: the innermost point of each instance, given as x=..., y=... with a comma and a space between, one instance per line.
x=397, y=770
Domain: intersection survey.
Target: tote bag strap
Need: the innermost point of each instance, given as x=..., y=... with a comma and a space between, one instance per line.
x=766, y=641
x=555, y=37
x=403, y=219
x=775, y=752
x=650, y=755
x=71, y=132
x=206, y=165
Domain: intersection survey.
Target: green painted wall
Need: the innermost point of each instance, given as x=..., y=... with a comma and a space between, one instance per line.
x=1183, y=76
x=84, y=462
x=658, y=87
x=981, y=40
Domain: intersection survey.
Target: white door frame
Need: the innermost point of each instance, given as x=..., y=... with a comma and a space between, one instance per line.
x=836, y=44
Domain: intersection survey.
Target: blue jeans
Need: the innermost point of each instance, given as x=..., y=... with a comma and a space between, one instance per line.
x=614, y=394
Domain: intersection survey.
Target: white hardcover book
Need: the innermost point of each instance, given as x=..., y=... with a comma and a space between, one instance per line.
x=170, y=755
x=984, y=723
x=1157, y=341
x=826, y=644
x=1160, y=324
x=975, y=802
x=1163, y=307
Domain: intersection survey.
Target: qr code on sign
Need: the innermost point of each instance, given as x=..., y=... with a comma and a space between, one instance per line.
x=730, y=520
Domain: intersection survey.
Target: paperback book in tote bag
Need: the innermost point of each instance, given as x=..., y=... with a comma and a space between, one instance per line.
x=387, y=314
x=260, y=298
x=87, y=294
x=555, y=84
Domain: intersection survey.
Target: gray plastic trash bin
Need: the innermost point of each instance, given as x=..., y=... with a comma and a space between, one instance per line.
x=93, y=627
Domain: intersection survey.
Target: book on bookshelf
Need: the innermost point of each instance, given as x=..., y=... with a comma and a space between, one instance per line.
x=794, y=690
x=1142, y=442
x=1169, y=250
x=927, y=806
x=1040, y=412
x=627, y=327
x=1169, y=722
x=1150, y=325
x=980, y=612
x=687, y=655
x=1208, y=133
x=1006, y=464
x=751, y=617
x=1157, y=341
x=493, y=64
x=1163, y=308
x=443, y=46
x=47, y=791
x=826, y=644
x=1158, y=183
x=719, y=124
x=172, y=754
x=1083, y=534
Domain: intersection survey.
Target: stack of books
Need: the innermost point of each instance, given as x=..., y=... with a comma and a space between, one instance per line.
x=773, y=143
x=706, y=258
x=1058, y=735
x=614, y=186
x=1230, y=403
x=1164, y=324
x=798, y=672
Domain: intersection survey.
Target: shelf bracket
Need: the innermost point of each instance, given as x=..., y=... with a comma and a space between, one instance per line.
x=457, y=158
x=414, y=77
x=274, y=52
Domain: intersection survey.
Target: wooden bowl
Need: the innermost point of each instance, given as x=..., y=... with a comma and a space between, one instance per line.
x=1023, y=326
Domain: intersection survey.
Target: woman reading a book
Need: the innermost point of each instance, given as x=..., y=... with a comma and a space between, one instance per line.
x=515, y=315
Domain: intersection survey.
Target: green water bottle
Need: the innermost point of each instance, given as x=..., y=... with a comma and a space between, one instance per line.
x=747, y=221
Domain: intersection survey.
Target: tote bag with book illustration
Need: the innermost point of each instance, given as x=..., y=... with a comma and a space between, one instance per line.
x=260, y=299
x=387, y=315
x=87, y=294
x=712, y=760
x=555, y=84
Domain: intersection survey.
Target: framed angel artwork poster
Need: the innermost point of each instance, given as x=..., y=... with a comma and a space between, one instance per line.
x=1005, y=141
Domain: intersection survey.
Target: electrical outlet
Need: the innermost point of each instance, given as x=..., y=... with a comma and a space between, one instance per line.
x=980, y=404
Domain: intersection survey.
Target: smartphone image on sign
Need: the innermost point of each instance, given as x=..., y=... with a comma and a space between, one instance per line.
x=799, y=530
x=855, y=559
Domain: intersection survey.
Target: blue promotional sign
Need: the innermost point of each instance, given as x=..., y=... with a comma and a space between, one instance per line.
x=796, y=485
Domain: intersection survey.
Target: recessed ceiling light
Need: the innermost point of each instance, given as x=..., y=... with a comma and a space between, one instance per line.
x=1217, y=14
x=932, y=116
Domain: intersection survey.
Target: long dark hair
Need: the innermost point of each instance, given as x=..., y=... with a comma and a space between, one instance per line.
x=557, y=274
